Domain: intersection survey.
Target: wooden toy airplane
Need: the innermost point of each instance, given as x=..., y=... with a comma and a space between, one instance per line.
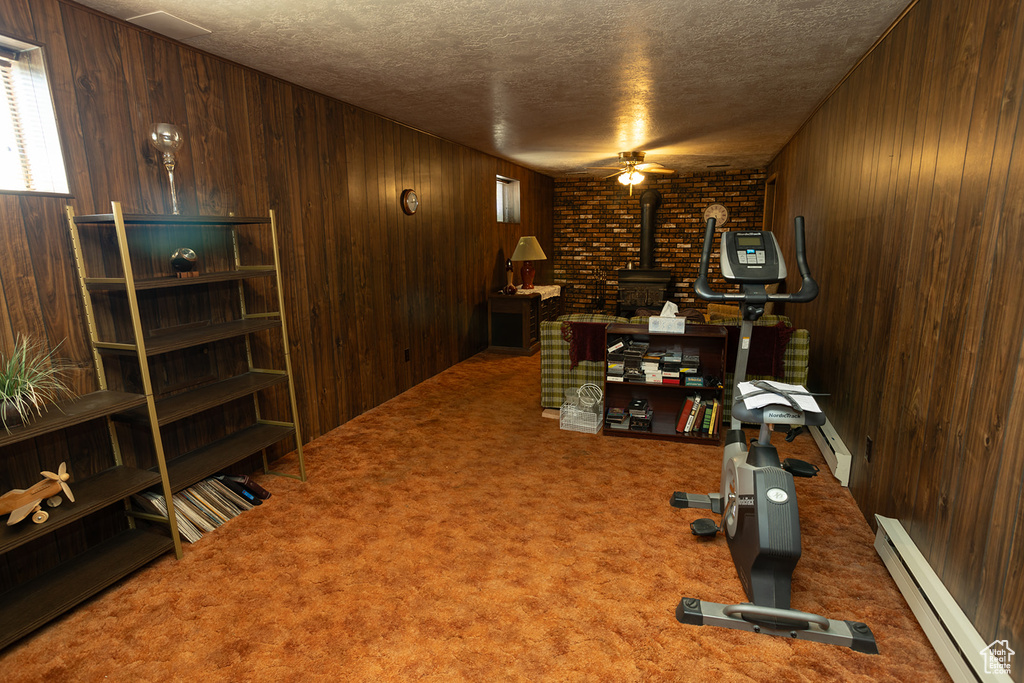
x=21, y=503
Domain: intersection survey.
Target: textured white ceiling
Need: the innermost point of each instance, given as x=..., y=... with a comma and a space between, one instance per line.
x=558, y=85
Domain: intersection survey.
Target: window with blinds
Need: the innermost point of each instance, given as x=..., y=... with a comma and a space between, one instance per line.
x=30, y=153
x=508, y=200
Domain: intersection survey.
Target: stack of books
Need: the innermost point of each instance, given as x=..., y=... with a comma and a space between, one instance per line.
x=670, y=365
x=615, y=370
x=206, y=505
x=640, y=415
x=652, y=367
x=699, y=417
x=633, y=356
x=617, y=418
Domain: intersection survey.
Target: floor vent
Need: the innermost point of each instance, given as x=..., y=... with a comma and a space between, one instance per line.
x=836, y=454
x=965, y=655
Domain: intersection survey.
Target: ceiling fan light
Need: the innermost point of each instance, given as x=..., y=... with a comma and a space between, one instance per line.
x=631, y=178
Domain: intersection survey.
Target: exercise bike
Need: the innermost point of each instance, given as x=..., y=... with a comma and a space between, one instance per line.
x=757, y=498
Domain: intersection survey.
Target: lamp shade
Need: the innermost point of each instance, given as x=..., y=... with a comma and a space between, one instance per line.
x=528, y=249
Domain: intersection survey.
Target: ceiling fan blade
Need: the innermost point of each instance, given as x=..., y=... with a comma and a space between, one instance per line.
x=67, y=491
x=619, y=172
x=604, y=168
x=658, y=170
x=647, y=165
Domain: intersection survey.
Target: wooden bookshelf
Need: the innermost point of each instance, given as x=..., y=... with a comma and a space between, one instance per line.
x=708, y=342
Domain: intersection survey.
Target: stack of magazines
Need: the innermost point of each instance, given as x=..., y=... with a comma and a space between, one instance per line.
x=206, y=505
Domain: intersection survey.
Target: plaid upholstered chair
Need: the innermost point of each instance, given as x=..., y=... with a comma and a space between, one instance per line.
x=556, y=371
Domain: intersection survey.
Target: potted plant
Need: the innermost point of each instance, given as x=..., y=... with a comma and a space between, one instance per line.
x=30, y=378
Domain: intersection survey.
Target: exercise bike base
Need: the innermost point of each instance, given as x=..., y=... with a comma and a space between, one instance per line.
x=852, y=634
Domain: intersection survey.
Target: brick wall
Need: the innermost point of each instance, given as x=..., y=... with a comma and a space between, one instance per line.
x=597, y=231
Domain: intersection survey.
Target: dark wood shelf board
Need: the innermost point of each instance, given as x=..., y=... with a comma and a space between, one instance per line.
x=146, y=219
x=666, y=436
x=179, y=406
x=663, y=385
x=694, y=330
x=82, y=409
x=208, y=460
x=171, y=281
x=91, y=494
x=28, y=606
x=194, y=336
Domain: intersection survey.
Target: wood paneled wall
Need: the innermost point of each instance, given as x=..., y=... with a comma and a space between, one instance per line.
x=910, y=177
x=363, y=281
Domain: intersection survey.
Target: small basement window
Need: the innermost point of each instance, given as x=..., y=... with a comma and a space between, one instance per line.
x=30, y=154
x=508, y=200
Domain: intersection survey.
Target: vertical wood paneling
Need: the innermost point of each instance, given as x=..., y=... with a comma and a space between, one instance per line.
x=913, y=232
x=17, y=277
x=102, y=97
x=16, y=20
x=152, y=74
x=362, y=281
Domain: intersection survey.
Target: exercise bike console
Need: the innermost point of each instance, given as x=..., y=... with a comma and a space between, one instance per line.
x=751, y=257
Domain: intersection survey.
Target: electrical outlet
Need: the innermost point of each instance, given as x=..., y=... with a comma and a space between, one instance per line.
x=868, y=446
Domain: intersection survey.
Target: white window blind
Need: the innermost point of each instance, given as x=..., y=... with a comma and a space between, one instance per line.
x=508, y=200
x=30, y=153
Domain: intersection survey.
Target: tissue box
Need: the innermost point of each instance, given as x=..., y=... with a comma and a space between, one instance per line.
x=657, y=323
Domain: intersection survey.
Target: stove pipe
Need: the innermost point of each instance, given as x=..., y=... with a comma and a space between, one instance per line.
x=650, y=200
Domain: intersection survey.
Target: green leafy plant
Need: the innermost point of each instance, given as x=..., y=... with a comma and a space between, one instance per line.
x=30, y=378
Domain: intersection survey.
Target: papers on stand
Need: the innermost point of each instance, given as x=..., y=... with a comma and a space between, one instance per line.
x=755, y=395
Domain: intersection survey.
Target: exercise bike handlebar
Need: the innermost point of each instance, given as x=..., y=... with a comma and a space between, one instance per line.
x=808, y=287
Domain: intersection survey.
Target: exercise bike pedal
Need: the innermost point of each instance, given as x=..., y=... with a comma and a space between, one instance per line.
x=704, y=527
x=799, y=468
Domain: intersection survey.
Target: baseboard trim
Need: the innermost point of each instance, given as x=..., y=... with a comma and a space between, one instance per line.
x=957, y=642
x=837, y=455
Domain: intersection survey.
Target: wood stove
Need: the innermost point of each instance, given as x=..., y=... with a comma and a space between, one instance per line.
x=646, y=286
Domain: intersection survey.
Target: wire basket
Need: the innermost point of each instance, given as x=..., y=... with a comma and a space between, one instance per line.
x=584, y=411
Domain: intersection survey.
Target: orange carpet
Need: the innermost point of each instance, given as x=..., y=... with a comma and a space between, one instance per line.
x=453, y=534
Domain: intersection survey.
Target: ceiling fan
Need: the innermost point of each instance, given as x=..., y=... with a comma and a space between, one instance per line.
x=633, y=168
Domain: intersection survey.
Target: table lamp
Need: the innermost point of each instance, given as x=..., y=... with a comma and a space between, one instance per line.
x=528, y=250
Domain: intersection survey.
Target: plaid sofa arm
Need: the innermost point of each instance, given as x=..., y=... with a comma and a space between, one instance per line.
x=555, y=375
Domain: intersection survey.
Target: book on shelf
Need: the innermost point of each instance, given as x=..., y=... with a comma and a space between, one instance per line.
x=204, y=506
x=615, y=416
x=698, y=419
x=638, y=407
x=246, y=481
x=241, y=495
x=705, y=428
x=684, y=415
x=693, y=414
x=185, y=509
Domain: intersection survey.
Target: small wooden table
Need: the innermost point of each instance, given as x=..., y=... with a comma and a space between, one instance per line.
x=513, y=320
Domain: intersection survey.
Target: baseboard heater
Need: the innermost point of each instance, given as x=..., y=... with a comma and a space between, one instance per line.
x=965, y=655
x=836, y=454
